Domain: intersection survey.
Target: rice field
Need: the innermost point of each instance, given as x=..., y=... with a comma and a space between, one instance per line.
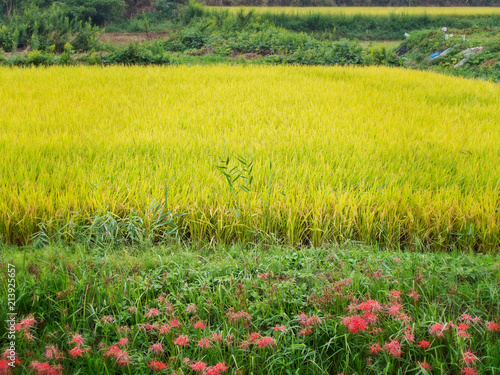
x=378, y=11
x=397, y=157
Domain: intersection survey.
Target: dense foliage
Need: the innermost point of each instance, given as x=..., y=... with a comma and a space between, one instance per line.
x=238, y=310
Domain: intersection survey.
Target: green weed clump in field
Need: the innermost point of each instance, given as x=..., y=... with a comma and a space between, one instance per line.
x=379, y=155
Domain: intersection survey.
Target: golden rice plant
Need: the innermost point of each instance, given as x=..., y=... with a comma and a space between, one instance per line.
x=380, y=11
x=393, y=156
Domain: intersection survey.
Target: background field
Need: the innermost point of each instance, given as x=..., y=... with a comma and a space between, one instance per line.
x=370, y=10
x=372, y=154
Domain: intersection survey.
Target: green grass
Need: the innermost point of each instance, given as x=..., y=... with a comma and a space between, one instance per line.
x=70, y=290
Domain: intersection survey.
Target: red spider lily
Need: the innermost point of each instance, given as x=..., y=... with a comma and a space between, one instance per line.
x=492, y=326
x=278, y=328
x=469, y=357
x=164, y=328
x=76, y=352
x=217, y=337
x=469, y=371
x=5, y=368
x=394, y=348
x=413, y=295
x=309, y=321
x=204, y=343
x=175, y=323
x=51, y=352
x=157, y=365
x=394, y=310
x=198, y=366
x=370, y=305
x=123, y=342
x=199, y=325
x=78, y=340
x=305, y=332
x=254, y=336
x=424, y=344
x=266, y=342
x=375, y=349
x=157, y=348
x=123, y=329
x=152, y=313
x=191, y=309
x=355, y=324
x=218, y=369
x=107, y=319
x=41, y=368
x=437, y=330
x=425, y=366
x=409, y=336
x=182, y=340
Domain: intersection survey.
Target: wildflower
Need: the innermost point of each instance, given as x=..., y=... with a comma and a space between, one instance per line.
x=309, y=321
x=192, y=309
x=182, y=340
x=5, y=368
x=413, y=295
x=164, y=328
x=469, y=357
x=437, y=330
x=157, y=348
x=371, y=306
x=107, y=319
x=394, y=348
x=409, y=336
x=185, y=361
x=425, y=366
x=152, y=313
x=41, y=368
x=204, y=343
x=375, y=349
x=278, y=328
x=242, y=316
x=200, y=325
x=424, y=344
x=112, y=351
x=466, y=317
x=254, y=336
x=217, y=337
x=218, y=369
x=175, y=323
x=76, y=352
x=397, y=259
x=463, y=334
x=123, y=342
x=369, y=317
x=157, y=365
x=78, y=340
x=51, y=352
x=394, y=293
x=266, y=341
x=28, y=322
x=305, y=332
x=394, y=309
x=123, y=329
x=122, y=358
x=354, y=323
x=198, y=366
x=492, y=326
x=263, y=275
x=469, y=371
